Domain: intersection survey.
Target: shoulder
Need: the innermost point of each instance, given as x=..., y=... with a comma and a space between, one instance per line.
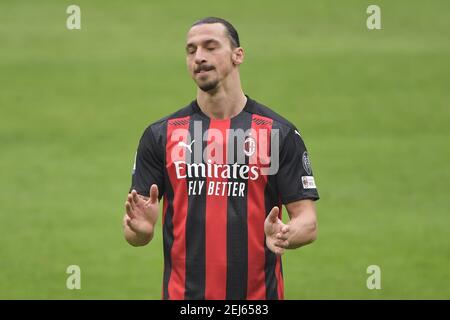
x=158, y=128
x=278, y=122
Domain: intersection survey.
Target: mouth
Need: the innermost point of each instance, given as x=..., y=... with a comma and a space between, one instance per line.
x=204, y=70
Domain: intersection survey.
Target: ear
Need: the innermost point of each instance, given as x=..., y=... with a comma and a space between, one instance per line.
x=238, y=56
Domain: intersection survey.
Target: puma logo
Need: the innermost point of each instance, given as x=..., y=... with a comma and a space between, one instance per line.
x=188, y=146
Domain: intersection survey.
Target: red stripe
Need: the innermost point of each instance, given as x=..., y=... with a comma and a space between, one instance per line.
x=256, y=214
x=179, y=131
x=216, y=217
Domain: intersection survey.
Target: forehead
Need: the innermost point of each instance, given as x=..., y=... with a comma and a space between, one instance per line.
x=216, y=31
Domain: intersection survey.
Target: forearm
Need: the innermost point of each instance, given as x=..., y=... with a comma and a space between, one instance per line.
x=301, y=232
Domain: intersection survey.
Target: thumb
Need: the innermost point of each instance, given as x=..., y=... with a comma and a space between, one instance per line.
x=154, y=194
x=273, y=214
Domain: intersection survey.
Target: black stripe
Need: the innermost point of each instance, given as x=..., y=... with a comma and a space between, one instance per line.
x=167, y=231
x=271, y=201
x=196, y=223
x=237, y=228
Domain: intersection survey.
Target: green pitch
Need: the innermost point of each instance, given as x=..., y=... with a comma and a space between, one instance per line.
x=372, y=106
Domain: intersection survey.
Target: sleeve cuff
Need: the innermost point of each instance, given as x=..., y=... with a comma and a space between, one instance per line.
x=297, y=197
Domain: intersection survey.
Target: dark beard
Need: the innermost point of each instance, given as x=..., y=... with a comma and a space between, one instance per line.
x=211, y=85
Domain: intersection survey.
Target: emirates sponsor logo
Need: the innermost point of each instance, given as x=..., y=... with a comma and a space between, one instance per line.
x=217, y=171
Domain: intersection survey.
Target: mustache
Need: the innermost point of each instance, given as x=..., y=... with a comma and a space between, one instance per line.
x=203, y=67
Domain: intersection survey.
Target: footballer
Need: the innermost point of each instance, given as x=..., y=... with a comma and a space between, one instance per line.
x=224, y=165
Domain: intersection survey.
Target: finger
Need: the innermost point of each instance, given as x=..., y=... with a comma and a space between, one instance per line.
x=274, y=248
x=273, y=214
x=285, y=229
x=279, y=251
x=129, y=210
x=135, y=197
x=130, y=201
x=154, y=194
x=282, y=244
x=282, y=236
x=130, y=224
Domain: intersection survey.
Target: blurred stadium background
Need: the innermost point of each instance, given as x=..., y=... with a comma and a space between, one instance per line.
x=373, y=108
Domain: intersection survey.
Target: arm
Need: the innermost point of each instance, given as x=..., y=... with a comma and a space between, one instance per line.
x=294, y=180
x=301, y=229
x=302, y=224
x=140, y=218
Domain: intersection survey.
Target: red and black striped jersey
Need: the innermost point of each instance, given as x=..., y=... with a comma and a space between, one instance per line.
x=219, y=179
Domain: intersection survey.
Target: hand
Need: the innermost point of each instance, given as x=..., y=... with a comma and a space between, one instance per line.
x=276, y=232
x=142, y=214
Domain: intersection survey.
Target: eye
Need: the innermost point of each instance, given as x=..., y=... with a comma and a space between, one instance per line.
x=210, y=48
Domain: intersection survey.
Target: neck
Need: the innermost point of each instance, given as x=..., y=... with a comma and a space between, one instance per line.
x=224, y=102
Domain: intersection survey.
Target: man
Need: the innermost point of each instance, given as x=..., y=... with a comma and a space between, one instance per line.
x=222, y=228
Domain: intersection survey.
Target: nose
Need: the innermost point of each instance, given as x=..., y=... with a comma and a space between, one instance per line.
x=200, y=56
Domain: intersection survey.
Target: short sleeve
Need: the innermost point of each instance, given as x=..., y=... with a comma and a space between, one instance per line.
x=148, y=166
x=295, y=179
